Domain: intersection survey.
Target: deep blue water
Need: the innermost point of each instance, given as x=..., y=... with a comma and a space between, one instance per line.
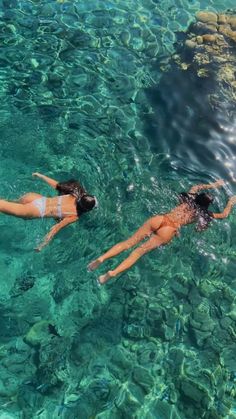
x=90, y=90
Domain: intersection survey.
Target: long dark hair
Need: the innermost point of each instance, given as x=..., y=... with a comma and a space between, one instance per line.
x=199, y=203
x=71, y=187
x=84, y=201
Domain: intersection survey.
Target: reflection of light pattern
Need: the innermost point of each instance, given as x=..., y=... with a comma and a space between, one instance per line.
x=228, y=160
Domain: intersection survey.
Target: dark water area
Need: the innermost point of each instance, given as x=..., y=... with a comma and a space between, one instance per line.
x=184, y=124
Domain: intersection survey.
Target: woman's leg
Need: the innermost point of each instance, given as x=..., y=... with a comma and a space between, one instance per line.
x=144, y=231
x=166, y=234
x=18, y=210
x=29, y=197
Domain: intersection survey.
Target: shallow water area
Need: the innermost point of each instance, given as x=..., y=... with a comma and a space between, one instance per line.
x=89, y=90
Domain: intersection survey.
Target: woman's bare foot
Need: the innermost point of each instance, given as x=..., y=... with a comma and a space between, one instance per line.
x=104, y=278
x=94, y=264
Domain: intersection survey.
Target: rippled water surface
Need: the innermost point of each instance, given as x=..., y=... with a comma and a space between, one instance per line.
x=89, y=90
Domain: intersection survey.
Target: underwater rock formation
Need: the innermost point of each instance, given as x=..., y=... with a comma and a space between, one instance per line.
x=40, y=333
x=196, y=95
x=209, y=50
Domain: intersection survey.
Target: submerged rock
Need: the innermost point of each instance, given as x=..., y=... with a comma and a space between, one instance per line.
x=209, y=51
x=129, y=400
x=194, y=391
x=176, y=361
x=163, y=410
x=228, y=357
x=143, y=378
x=22, y=284
x=40, y=333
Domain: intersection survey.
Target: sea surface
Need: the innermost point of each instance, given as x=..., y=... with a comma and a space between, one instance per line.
x=89, y=91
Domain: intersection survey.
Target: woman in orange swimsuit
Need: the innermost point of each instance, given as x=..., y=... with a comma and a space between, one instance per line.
x=71, y=203
x=162, y=228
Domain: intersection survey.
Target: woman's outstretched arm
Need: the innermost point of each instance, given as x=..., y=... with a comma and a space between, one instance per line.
x=227, y=210
x=198, y=188
x=53, y=183
x=54, y=230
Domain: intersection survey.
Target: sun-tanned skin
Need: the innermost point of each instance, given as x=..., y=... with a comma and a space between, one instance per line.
x=161, y=229
x=24, y=208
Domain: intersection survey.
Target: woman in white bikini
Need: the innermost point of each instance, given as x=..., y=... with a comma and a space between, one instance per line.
x=71, y=203
x=161, y=229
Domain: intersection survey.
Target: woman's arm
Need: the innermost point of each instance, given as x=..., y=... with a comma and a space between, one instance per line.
x=227, y=210
x=198, y=188
x=54, y=230
x=53, y=183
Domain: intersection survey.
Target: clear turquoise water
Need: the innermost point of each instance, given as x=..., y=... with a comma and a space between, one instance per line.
x=85, y=93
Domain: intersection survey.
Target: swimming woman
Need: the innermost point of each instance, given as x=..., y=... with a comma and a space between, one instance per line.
x=71, y=203
x=162, y=228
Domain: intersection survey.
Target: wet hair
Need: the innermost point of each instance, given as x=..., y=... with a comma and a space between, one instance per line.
x=84, y=201
x=204, y=200
x=71, y=187
x=199, y=203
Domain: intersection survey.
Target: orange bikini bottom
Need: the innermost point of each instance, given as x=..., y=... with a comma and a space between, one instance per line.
x=167, y=222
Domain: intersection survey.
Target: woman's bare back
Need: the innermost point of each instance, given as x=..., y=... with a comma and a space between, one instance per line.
x=67, y=205
x=181, y=215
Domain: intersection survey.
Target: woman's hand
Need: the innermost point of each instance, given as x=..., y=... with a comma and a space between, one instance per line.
x=220, y=182
x=233, y=200
x=36, y=174
x=51, y=182
x=38, y=249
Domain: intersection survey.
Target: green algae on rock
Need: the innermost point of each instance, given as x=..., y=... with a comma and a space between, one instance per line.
x=39, y=333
